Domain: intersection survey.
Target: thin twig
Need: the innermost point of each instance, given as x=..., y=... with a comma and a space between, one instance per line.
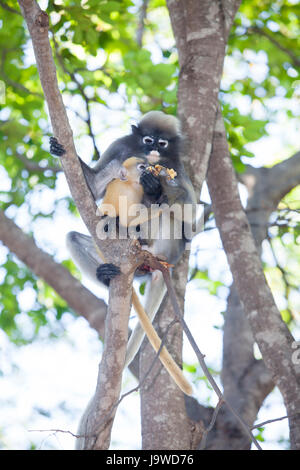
x=260, y=425
x=211, y=424
x=8, y=8
x=35, y=167
x=276, y=43
x=141, y=25
x=12, y=83
x=54, y=431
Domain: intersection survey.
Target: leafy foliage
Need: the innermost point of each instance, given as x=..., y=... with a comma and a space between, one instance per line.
x=99, y=59
x=263, y=47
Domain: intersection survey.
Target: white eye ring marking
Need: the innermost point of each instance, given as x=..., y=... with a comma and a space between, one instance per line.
x=163, y=143
x=148, y=140
x=141, y=166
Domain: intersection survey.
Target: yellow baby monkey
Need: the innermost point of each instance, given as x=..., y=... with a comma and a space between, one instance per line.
x=121, y=194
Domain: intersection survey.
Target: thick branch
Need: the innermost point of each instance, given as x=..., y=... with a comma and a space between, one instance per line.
x=246, y=381
x=270, y=332
x=266, y=188
x=80, y=299
x=97, y=425
x=200, y=32
x=260, y=182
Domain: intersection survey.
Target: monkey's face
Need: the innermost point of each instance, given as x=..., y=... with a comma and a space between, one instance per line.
x=157, y=146
x=134, y=167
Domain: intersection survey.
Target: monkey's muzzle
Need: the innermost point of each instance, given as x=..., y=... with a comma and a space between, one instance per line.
x=153, y=157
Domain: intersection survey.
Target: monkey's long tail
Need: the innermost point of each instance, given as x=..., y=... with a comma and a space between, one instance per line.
x=154, y=295
x=165, y=357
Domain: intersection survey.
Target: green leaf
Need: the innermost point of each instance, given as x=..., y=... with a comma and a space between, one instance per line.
x=142, y=288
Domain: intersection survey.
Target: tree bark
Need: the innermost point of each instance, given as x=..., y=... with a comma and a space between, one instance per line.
x=123, y=253
x=200, y=32
x=269, y=330
x=97, y=423
x=164, y=426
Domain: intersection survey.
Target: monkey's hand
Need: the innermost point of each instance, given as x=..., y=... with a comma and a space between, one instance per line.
x=106, y=272
x=122, y=173
x=151, y=184
x=56, y=148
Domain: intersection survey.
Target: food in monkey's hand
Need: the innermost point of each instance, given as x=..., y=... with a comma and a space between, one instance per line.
x=158, y=169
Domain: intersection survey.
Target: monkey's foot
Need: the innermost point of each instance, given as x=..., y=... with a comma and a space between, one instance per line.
x=56, y=148
x=151, y=184
x=145, y=268
x=106, y=272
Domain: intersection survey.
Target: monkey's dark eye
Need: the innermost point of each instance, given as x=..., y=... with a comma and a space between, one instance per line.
x=163, y=143
x=148, y=140
x=141, y=166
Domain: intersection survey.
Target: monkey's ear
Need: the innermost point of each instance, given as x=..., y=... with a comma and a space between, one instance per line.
x=135, y=130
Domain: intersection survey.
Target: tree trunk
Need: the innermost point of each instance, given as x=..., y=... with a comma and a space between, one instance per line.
x=270, y=332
